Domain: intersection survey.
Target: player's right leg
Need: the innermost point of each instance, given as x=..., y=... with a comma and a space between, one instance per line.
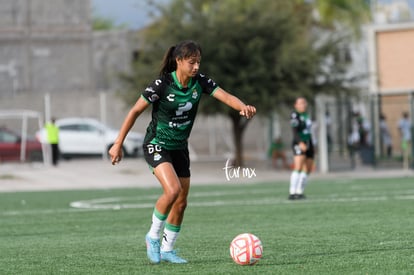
x=152, y=239
x=171, y=186
x=160, y=162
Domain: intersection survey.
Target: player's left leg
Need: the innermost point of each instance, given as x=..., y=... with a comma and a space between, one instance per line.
x=303, y=178
x=306, y=170
x=298, y=163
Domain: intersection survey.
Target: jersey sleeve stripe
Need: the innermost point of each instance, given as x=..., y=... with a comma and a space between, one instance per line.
x=146, y=99
x=215, y=89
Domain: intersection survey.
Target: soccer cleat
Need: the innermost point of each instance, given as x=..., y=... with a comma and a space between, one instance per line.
x=171, y=256
x=292, y=197
x=301, y=197
x=153, y=249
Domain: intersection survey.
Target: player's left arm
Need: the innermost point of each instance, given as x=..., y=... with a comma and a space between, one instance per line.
x=232, y=101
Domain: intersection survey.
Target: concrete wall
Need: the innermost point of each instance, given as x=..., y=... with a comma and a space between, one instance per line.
x=112, y=54
x=47, y=47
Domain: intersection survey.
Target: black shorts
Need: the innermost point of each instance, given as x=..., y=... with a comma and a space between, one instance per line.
x=309, y=153
x=180, y=159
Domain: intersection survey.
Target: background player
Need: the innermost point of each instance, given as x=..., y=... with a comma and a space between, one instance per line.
x=303, y=151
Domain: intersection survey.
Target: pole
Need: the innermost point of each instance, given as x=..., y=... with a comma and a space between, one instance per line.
x=271, y=129
x=47, y=107
x=102, y=111
x=212, y=141
x=23, y=141
x=102, y=105
x=44, y=150
x=412, y=128
x=323, y=142
x=375, y=132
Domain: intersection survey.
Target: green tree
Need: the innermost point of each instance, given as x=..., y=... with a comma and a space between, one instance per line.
x=100, y=23
x=349, y=13
x=265, y=52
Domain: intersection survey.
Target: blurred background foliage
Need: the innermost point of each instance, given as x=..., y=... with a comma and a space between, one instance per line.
x=266, y=52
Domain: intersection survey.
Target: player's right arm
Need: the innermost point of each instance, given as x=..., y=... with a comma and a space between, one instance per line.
x=116, y=150
x=150, y=95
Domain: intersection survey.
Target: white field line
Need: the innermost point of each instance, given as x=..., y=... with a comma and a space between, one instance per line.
x=45, y=211
x=95, y=204
x=228, y=202
x=117, y=203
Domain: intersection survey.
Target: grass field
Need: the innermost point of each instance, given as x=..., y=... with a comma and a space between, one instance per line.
x=343, y=227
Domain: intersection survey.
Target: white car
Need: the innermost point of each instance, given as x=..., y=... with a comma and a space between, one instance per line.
x=88, y=136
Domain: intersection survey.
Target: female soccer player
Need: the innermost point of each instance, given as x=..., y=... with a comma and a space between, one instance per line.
x=302, y=146
x=174, y=97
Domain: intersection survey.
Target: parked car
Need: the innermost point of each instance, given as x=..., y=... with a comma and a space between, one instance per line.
x=87, y=136
x=11, y=147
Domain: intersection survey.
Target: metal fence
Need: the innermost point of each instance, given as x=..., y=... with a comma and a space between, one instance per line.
x=362, y=133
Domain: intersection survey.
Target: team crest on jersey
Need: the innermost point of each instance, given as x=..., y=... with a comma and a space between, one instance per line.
x=195, y=94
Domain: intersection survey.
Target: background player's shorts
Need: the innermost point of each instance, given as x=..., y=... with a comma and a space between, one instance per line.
x=309, y=153
x=180, y=159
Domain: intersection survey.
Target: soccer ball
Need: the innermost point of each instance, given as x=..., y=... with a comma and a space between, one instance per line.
x=246, y=249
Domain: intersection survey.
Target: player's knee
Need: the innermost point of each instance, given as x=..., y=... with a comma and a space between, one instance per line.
x=181, y=205
x=173, y=193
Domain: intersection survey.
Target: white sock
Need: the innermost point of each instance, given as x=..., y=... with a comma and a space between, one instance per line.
x=303, y=179
x=170, y=236
x=158, y=221
x=294, y=181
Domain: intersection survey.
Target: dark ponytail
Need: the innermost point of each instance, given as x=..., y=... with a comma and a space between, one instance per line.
x=182, y=50
x=168, y=62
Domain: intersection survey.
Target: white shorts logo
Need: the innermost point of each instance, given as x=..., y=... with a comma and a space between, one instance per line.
x=297, y=150
x=157, y=157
